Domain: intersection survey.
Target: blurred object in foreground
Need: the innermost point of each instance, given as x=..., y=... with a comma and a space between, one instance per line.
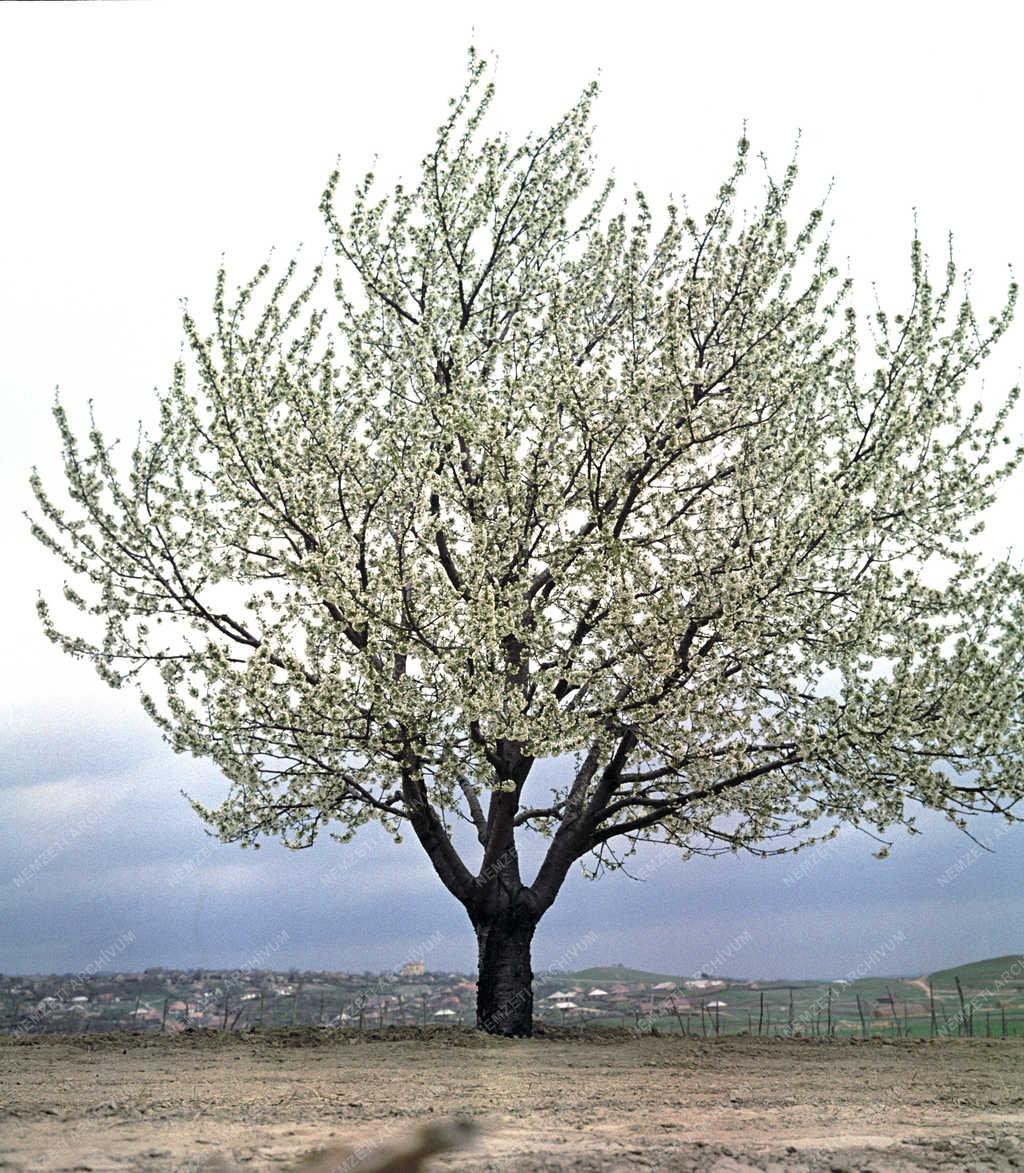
x=406, y=1153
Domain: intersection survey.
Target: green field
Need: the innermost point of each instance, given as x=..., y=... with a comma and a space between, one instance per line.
x=989, y=1002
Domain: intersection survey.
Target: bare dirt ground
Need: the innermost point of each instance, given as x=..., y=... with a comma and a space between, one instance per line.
x=606, y=1102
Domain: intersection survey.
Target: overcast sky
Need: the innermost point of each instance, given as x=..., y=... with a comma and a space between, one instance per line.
x=141, y=141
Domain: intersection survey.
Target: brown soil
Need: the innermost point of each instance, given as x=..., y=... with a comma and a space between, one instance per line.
x=557, y=1102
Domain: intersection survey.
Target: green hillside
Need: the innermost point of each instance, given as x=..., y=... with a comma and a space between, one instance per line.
x=999, y=972
x=1006, y=973
x=870, y=1006
x=616, y=973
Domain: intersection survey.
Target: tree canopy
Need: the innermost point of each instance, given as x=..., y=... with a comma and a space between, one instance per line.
x=546, y=480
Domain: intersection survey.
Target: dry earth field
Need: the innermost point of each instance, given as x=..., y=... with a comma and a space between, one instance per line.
x=610, y=1101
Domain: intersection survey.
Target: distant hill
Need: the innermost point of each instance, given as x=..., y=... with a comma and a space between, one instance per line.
x=618, y=973
x=995, y=972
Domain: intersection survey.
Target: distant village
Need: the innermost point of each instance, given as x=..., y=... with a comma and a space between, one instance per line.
x=176, y=999
x=989, y=999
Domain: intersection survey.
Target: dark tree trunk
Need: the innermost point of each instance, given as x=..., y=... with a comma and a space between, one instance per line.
x=504, y=995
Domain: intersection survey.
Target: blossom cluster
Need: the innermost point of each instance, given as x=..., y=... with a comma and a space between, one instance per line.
x=542, y=481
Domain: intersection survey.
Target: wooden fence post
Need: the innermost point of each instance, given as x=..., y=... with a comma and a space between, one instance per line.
x=963, y=1008
x=679, y=1019
x=892, y=1007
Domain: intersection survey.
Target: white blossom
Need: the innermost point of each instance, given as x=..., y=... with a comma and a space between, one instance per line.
x=545, y=481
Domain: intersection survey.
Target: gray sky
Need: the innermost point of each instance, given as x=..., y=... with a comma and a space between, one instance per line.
x=142, y=141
